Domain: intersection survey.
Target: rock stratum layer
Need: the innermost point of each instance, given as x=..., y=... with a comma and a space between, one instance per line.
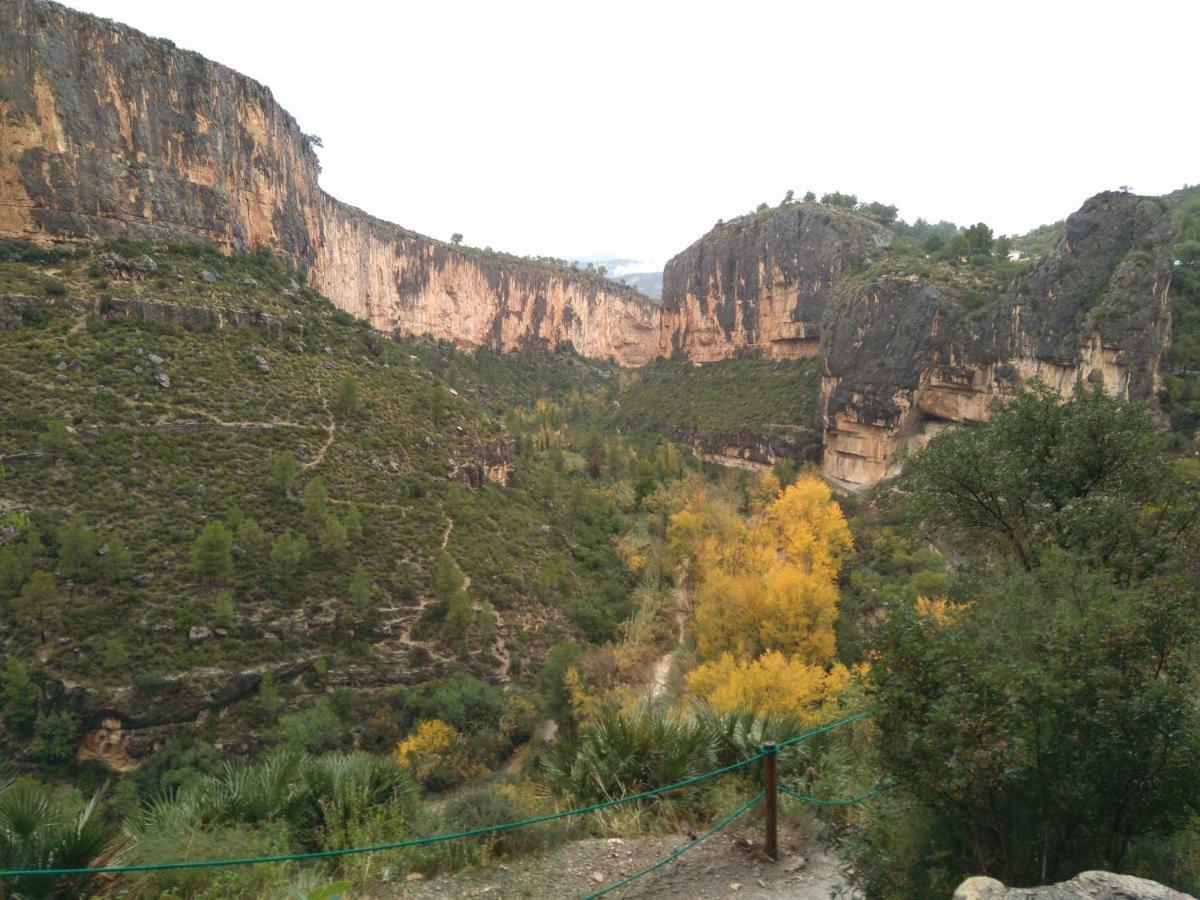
x=110, y=133
x=908, y=347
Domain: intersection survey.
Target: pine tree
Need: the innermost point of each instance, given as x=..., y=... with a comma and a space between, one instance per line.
x=315, y=503
x=38, y=606
x=354, y=522
x=358, y=591
x=283, y=473
x=335, y=543
x=288, y=553
x=347, y=403
x=76, y=548
x=224, y=608
x=116, y=563
x=18, y=697
x=212, y=553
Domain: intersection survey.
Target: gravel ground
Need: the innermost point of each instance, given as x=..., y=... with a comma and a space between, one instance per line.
x=729, y=864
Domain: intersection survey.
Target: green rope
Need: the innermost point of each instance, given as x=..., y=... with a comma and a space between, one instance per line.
x=682, y=850
x=867, y=796
x=822, y=730
x=437, y=838
x=394, y=845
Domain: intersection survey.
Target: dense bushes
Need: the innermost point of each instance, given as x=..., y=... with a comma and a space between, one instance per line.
x=1042, y=719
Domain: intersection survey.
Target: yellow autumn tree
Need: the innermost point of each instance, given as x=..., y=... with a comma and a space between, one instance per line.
x=766, y=601
x=437, y=755
x=773, y=683
x=772, y=585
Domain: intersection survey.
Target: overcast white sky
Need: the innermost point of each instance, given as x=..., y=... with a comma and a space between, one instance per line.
x=628, y=128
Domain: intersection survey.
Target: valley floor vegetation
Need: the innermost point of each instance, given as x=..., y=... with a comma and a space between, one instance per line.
x=288, y=572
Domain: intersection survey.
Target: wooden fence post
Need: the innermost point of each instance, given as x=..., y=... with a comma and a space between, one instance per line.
x=771, y=787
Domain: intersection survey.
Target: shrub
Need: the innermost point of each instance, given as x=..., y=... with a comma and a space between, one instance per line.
x=437, y=755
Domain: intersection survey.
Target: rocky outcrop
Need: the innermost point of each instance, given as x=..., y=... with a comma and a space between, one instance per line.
x=109, y=133
x=904, y=357
x=1085, y=886
x=905, y=354
x=761, y=284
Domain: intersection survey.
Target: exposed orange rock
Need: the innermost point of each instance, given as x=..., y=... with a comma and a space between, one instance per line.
x=110, y=133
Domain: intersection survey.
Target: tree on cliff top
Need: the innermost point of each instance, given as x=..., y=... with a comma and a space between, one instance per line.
x=838, y=199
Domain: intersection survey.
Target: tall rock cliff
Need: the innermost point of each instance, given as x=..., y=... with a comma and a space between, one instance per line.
x=759, y=284
x=909, y=345
x=107, y=132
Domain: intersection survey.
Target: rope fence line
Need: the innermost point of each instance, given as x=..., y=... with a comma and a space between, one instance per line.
x=393, y=845
x=784, y=789
x=490, y=829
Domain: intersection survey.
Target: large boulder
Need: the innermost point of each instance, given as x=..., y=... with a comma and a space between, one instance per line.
x=1085, y=886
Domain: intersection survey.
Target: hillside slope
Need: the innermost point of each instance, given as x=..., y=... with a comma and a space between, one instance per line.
x=151, y=391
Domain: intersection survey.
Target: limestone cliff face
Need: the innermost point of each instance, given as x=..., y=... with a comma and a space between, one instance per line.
x=760, y=284
x=107, y=132
x=905, y=355
x=905, y=358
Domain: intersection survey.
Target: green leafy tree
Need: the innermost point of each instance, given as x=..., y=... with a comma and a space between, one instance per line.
x=447, y=579
x=979, y=240
x=289, y=552
x=1046, y=722
x=224, y=609
x=348, y=402
x=837, y=198
x=333, y=539
x=16, y=565
x=18, y=697
x=1039, y=731
x=76, y=548
x=251, y=541
x=353, y=522
x=460, y=617
x=316, y=503
x=116, y=564
x=284, y=470
x=38, y=607
x=358, y=590
x=885, y=213
x=1089, y=475
x=54, y=737
x=212, y=553
x=934, y=242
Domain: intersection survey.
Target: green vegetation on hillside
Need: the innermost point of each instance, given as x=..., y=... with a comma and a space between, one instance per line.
x=736, y=396
x=189, y=508
x=1180, y=394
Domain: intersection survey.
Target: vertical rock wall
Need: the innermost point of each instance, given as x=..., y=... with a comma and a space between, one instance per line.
x=107, y=133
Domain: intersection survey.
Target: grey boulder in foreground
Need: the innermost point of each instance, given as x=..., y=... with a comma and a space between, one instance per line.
x=1085, y=886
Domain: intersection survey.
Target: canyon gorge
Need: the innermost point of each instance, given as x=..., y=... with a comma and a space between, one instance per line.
x=110, y=133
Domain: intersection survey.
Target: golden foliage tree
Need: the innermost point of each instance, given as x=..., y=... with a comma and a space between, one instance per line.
x=437, y=755
x=773, y=683
x=766, y=598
